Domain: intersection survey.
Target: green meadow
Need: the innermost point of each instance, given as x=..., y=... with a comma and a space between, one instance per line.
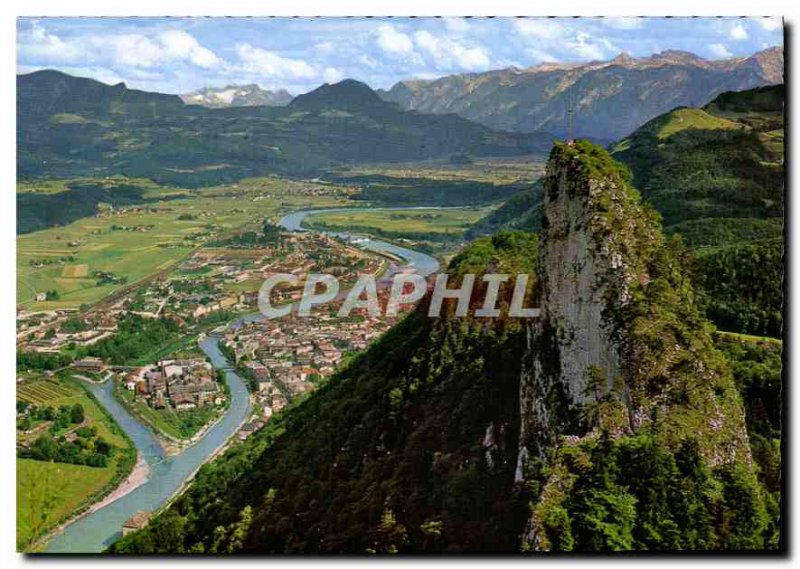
x=48, y=492
x=410, y=223
x=144, y=240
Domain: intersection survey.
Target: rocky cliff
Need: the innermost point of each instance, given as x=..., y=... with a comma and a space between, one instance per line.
x=619, y=347
x=610, y=98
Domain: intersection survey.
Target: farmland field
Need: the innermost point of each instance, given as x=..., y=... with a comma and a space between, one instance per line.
x=67, y=391
x=43, y=392
x=75, y=271
x=135, y=242
x=398, y=223
x=492, y=170
x=48, y=492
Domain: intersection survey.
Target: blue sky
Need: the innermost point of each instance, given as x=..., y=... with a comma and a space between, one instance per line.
x=177, y=55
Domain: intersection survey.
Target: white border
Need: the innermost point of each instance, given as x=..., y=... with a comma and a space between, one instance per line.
x=10, y=11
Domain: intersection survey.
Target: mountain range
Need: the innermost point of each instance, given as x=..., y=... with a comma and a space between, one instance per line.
x=237, y=96
x=70, y=126
x=716, y=176
x=609, y=99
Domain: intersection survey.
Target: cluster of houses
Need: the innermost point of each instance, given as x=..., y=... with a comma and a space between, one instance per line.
x=203, y=289
x=281, y=358
x=177, y=384
x=288, y=356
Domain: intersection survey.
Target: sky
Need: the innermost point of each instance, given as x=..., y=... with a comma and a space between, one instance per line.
x=179, y=55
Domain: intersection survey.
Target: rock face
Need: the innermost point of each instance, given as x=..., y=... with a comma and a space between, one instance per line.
x=610, y=98
x=619, y=344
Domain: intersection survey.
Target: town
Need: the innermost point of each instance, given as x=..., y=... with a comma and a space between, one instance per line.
x=285, y=358
x=146, y=340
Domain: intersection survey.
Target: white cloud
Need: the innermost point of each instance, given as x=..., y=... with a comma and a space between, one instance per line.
x=540, y=55
x=324, y=47
x=738, y=32
x=770, y=24
x=547, y=40
x=426, y=75
x=262, y=62
x=447, y=52
x=584, y=48
x=182, y=45
x=456, y=25
x=543, y=28
x=392, y=41
x=128, y=50
x=623, y=23
x=41, y=44
x=332, y=75
x=719, y=50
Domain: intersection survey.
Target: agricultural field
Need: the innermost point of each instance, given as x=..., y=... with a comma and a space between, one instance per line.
x=49, y=492
x=43, y=392
x=83, y=261
x=495, y=171
x=411, y=223
x=64, y=390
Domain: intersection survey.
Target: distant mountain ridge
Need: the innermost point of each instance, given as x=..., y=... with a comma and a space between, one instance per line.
x=237, y=96
x=347, y=95
x=610, y=98
x=48, y=92
x=71, y=127
x=716, y=176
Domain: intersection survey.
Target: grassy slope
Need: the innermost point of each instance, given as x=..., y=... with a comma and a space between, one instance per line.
x=47, y=492
x=685, y=119
x=724, y=160
x=716, y=176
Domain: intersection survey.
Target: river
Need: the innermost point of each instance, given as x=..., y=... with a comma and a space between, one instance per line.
x=422, y=263
x=95, y=531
